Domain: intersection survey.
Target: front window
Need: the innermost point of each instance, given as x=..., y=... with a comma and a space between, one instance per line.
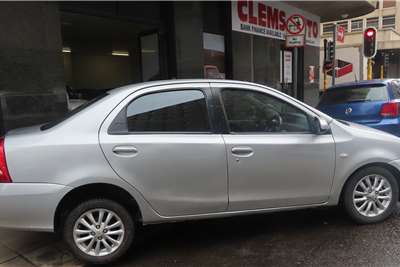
x=389, y=3
x=251, y=111
x=373, y=22
x=389, y=22
x=356, y=25
x=327, y=28
x=354, y=94
x=172, y=111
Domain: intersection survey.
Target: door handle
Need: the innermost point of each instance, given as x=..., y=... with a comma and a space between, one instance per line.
x=125, y=150
x=242, y=151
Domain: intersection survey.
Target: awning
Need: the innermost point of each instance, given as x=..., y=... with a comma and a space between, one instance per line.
x=335, y=10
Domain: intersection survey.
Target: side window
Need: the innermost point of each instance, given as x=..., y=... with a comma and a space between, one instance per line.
x=250, y=111
x=172, y=111
x=396, y=89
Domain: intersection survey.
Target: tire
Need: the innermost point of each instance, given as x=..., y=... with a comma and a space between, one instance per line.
x=120, y=228
x=356, y=197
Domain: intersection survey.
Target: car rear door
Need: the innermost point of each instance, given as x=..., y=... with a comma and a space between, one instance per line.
x=272, y=166
x=162, y=141
x=360, y=103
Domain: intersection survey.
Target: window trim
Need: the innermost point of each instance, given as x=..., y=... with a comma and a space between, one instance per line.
x=123, y=116
x=226, y=121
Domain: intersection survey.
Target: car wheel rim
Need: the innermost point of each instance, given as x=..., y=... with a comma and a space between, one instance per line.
x=372, y=195
x=99, y=232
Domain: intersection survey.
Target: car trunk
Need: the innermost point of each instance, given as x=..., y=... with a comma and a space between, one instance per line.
x=357, y=104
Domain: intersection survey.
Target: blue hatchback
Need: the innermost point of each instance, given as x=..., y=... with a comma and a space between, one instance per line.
x=374, y=103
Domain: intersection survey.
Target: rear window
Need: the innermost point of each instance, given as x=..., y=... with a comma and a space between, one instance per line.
x=71, y=113
x=354, y=94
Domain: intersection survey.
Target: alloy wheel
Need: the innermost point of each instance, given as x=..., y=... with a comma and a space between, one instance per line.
x=372, y=195
x=99, y=232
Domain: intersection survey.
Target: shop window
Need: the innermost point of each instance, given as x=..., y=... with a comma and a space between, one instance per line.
x=373, y=22
x=327, y=28
x=389, y=3
x=344, y=24
x=214, y=56
x=150, y=57
x=250, y=111
x=172, y=111
x=389, y=22
x=356, y=25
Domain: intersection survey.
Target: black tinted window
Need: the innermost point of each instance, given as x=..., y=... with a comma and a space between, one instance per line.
x=173, y=111
x=250, y=111
x=354, y=94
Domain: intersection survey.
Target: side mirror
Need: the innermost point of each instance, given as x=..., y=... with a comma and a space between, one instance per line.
x=321, y=126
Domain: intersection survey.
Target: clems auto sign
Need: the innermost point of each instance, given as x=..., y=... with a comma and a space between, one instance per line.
x=270, y=19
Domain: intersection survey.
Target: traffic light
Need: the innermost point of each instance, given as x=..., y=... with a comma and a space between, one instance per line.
x=370, y=42
x=330, y=52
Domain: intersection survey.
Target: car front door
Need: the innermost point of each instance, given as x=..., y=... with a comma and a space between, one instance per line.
x=161, y=140
x=274, y=159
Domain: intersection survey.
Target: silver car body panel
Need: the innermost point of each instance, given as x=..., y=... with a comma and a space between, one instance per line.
x=178, y=174
x=69, y=155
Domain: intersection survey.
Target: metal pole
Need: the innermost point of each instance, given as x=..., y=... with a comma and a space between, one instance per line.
x=369, y=69
x=382, y=72
x=334, y=55
x=324, y=64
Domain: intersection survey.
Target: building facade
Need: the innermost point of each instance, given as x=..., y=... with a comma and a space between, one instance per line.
x=386, y=19
x=49, y=49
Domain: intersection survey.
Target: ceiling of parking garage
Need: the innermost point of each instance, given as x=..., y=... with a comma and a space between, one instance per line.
x=335, y=10
x=81, y=29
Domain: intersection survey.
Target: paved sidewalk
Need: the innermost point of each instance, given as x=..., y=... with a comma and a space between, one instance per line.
x=29, y=249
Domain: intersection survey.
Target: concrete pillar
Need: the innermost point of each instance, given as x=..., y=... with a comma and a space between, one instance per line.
x=32, y=86
x=188, y=22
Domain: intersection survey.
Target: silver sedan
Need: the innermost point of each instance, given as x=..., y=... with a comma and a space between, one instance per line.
x=188, y=149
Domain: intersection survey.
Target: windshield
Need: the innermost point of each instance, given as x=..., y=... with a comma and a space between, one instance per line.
x=72, y=112
x=354, y=94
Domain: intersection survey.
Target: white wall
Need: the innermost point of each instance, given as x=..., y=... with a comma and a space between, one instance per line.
x=350, y=54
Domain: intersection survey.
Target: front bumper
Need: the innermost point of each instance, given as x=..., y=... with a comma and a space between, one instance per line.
x=30, y=206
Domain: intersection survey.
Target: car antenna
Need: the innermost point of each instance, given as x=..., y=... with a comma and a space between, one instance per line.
x=355, y=77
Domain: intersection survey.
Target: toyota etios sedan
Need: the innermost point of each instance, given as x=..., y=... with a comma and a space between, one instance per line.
x=188, y=149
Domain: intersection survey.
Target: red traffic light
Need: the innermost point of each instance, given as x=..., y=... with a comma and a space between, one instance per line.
x=370, y=33
x=370, y=42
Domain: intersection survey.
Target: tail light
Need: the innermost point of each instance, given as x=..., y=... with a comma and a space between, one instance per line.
x=4, y=175
x=390, y=110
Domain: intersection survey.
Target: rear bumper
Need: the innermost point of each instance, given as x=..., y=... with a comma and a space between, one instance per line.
x=30, y=206
x=391, y=126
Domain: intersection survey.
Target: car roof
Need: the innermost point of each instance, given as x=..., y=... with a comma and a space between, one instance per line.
x=361, y=83
x=138, y=86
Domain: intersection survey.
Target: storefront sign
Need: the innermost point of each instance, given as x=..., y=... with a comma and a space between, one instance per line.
x=287, y=67
x=294, y=40
x=270, y=18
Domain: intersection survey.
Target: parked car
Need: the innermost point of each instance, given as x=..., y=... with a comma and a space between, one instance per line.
x=374, y=103
x=178, y=150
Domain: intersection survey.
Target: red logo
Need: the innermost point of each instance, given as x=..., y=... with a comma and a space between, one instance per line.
x=340, y=34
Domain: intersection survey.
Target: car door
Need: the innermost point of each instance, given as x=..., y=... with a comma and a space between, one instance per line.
x=161, y=140
x=274, y=159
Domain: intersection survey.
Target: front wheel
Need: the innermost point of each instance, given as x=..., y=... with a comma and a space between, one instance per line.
x=99, y=231
x=371, y=195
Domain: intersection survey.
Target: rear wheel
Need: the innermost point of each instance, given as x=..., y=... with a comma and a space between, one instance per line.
x=99, y=231
x=371, y=195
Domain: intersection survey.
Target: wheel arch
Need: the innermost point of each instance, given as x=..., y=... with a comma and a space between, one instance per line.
x=387, y=166
x=91, y=191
